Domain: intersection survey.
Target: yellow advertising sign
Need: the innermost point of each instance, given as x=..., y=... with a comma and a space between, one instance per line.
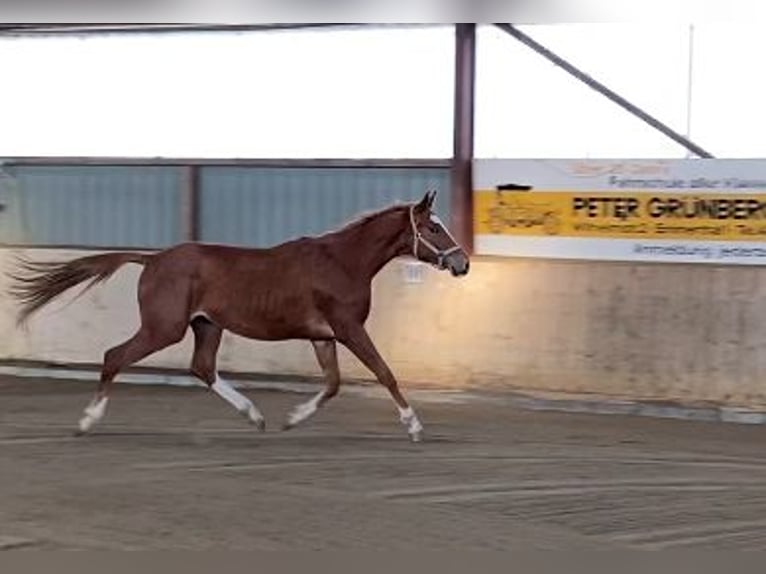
x=725, y=216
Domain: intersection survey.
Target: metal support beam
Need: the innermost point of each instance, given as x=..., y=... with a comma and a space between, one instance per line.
x=602, y=89
x=321, y=163
x=461, y=198
x=190, y=203
x=48, y=29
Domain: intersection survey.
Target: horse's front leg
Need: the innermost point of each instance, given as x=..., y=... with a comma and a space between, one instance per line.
x=355, y=337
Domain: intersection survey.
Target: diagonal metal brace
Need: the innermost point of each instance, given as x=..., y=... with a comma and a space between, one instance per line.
x=602, y=89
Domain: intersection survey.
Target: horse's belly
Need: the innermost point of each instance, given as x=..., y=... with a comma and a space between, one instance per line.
x=274, y=325
x=264, y=313
x=272, y=332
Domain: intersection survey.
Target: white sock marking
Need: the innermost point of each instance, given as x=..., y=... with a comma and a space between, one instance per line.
x=239, y=401
x=411, y=421
x=94, y=412
x=304, y=410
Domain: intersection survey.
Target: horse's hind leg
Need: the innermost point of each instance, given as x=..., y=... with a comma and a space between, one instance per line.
x=207, y=340
x=327, y=356
x=164, y=320
x=145, y=342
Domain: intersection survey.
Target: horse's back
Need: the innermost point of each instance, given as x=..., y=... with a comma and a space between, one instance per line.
x=194, y=256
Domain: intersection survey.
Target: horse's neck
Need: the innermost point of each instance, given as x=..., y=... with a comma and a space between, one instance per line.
x=368, y=247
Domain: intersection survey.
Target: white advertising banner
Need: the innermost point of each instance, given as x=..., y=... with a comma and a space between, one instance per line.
x=685, y=211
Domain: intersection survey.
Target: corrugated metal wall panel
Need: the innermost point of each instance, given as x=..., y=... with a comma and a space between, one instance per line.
x=261, y=206
x=104, y=206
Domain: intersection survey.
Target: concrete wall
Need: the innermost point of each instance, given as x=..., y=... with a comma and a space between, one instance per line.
x=687, y=333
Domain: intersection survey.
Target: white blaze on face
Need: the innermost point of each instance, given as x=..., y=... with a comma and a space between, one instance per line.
x=437, y=220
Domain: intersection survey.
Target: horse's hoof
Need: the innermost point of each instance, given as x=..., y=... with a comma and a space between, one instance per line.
x=416, y=436
x=259, y=424
x=83, y=427
x=254, y=418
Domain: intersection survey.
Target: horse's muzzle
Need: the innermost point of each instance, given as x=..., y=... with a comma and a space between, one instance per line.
x=459, y=266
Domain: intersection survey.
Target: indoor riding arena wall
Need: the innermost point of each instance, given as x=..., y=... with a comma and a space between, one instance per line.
x=638, y=331
x=653, y=331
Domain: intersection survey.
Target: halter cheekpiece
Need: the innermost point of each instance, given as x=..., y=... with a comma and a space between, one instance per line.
x=418, y=239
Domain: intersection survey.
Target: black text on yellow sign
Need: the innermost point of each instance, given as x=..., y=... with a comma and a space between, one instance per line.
x=611, y=215
x=669, y=207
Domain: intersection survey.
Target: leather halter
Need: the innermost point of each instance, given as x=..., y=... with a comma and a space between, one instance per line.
x=418, y=239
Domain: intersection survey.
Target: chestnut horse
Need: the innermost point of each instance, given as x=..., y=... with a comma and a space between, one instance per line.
x=315, y=288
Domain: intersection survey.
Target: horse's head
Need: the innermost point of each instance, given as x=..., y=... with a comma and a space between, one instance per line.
x=431, y=240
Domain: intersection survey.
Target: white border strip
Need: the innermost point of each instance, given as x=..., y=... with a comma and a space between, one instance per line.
x=586, y=248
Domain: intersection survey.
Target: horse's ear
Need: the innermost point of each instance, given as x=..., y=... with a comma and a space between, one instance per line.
x=427, y=202
x=431, y=195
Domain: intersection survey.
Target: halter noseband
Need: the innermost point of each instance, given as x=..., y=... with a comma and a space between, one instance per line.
x=417, y=239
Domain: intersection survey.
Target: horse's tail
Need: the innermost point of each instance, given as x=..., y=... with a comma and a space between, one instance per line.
x=37, y=283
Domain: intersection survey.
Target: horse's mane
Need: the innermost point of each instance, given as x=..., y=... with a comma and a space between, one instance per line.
x=366, y=216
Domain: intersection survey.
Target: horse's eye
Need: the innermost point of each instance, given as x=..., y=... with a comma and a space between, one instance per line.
x=433, y=228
